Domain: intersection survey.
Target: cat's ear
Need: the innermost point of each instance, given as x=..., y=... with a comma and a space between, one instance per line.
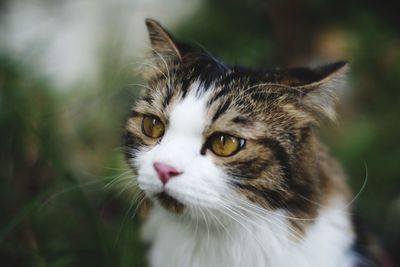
x=320, y=87
x=162, y=42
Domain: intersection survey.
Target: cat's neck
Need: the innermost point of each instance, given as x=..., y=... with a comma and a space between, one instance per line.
x=264, y=240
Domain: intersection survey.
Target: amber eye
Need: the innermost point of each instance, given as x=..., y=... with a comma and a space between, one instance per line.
x=225, y=145
x=152, y=126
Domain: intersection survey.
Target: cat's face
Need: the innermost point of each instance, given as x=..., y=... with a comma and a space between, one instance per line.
x=208, y=136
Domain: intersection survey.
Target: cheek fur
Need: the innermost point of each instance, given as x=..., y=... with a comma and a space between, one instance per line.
x=258, y=174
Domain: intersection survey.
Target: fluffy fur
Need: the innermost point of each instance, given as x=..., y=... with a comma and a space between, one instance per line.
x=280, y=201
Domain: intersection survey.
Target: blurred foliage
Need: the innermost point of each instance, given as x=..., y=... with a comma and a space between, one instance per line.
x=59, y=150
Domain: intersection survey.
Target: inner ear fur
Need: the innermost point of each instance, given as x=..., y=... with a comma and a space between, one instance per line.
x=162, y=42
x=319, y=87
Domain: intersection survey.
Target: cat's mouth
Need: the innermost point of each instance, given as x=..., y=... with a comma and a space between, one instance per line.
x=170, y=203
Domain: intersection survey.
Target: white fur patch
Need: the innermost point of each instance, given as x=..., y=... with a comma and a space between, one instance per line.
x=252, y=241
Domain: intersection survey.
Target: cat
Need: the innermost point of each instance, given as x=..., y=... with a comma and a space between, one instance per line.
x=232, y=167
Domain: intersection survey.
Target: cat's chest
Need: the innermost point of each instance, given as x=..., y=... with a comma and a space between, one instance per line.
x=260, y=243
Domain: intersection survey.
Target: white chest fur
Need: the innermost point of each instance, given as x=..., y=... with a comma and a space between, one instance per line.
x=252, y=242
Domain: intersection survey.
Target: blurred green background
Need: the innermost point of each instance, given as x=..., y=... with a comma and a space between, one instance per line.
x=60, y=141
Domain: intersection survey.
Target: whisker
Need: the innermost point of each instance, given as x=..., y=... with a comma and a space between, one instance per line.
x=362, y=187
x=71, y=188
x=291, y=232
x=226, y=208
x=207, y=227
x=141, y=85
x=132, y=204
x=166, y=66
x=263, y=210
x=120, y=177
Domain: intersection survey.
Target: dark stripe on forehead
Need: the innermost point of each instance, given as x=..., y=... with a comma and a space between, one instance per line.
x=190, y=85
x=201, y=67
x=186, y=82
x=222, y=92
x=221, y=110
x=148, y=98
x=167, y=97
x=189, y=82
x=227, y=84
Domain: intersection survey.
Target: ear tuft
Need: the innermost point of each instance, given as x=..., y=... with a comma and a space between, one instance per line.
x=322, y=93
x=162, y=42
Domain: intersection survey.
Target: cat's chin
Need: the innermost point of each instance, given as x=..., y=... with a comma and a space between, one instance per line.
x=169, y=203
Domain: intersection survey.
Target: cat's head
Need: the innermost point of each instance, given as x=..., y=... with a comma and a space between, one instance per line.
x=205, y=135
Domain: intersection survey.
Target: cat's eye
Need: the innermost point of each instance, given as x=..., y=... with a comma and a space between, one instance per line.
x=225, y=145
x=152, y=126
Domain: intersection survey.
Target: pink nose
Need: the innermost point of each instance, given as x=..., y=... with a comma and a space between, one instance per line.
x=165, y=172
